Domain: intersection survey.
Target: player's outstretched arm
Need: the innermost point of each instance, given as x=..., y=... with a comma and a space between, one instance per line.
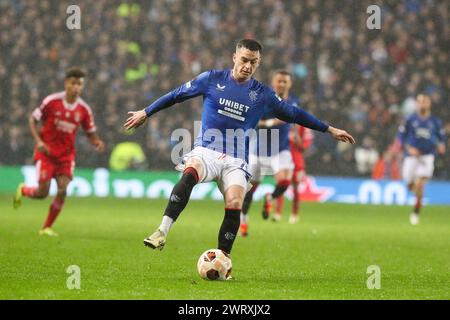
x=299, y=116
x=190, y=89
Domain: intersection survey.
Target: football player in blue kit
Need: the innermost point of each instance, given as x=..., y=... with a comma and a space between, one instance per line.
x=233, y=104
x=421, y=136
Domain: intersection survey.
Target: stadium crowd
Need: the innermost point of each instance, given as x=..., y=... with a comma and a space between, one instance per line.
x=362, y=80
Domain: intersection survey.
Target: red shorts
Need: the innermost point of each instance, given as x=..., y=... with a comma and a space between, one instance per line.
x=48, y=169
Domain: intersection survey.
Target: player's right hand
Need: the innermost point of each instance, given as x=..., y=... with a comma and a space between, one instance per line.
x=441, y=148
x=135, y=119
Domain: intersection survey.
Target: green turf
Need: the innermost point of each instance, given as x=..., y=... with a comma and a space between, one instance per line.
x=325, y=256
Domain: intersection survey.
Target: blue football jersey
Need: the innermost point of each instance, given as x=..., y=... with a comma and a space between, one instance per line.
x=422, y=133
x=232, y=110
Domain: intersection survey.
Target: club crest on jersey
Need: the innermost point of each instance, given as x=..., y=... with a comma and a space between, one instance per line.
x=67, y=114
x=253, y=95
x=189, y=83
x=77, y=117
x=220, y=88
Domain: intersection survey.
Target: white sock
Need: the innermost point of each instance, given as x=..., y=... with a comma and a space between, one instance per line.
x=166, y=224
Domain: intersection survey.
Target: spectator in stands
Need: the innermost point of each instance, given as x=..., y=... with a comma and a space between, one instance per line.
x=366, y=155
x=139, y=50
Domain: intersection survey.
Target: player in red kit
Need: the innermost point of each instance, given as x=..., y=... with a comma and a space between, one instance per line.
x=300, y=138
x=60, y=115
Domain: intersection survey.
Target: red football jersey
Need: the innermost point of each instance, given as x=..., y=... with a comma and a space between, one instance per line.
x=306, y=137
x=60, y=121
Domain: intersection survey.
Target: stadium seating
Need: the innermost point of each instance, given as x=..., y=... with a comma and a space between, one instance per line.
x=362, y=80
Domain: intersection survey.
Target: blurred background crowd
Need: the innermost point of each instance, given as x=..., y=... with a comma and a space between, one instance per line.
x=362, y=80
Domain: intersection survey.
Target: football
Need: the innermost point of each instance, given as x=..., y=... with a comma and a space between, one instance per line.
x=214, y=264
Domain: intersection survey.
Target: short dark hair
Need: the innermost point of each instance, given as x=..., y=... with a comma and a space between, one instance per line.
x=282, y=72
x=75, y=73
x=250, y=44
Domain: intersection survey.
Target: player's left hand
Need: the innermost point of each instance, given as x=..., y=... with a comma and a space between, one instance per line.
x=341, y=135
x=99, y=145
x=135, y=119
x=441, y=148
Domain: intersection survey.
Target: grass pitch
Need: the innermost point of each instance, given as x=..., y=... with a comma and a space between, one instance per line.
x=325, y=256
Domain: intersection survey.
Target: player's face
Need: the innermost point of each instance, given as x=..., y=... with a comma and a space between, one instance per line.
x=245, y=63
x=281, y=83
x=423, y=104
x=73, y=86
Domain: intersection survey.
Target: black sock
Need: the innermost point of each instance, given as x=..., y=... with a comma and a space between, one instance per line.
x=247, y=202
x=279, y=189
x=229, y=229
x=181, y=193
x=249, y=198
